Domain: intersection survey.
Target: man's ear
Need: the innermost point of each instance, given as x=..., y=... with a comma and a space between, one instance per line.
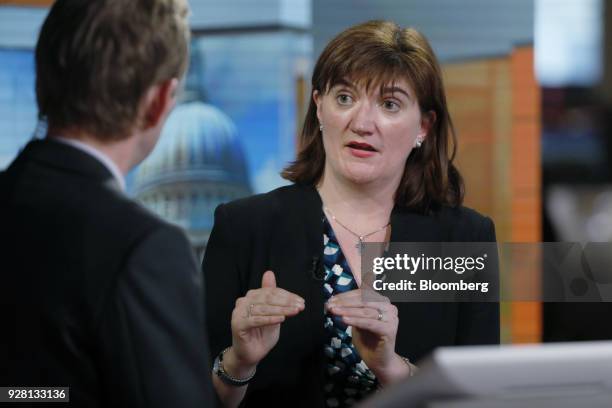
x=427, y=121
x=158, y=102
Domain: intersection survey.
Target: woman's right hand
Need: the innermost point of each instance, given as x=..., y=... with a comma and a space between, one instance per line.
x=256, y=321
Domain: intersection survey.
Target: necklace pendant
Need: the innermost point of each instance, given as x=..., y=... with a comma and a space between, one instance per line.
x=359, y=246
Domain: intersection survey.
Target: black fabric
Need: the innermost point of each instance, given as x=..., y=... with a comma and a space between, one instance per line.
x=573, y=321
x=98, y=294
x=282, y=231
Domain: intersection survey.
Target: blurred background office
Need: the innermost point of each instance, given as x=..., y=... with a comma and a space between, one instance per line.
x=529, y=84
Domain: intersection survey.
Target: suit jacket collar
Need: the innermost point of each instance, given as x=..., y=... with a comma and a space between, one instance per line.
x=67, y=158
x=309, y=199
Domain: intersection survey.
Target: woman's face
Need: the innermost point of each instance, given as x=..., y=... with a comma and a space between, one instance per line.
x=368, y=136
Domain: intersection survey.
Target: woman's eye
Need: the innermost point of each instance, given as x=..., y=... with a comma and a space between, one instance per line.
x=390, y=106
x=344, y=99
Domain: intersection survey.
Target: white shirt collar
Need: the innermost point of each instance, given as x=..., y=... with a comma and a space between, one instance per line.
x=97, y=154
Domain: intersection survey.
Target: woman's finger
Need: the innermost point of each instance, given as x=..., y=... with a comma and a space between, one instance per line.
x=261, y=309
x=358, y=303
x=364, y=312
x=378, y=327
x=345, y=301
x=274, y=297
x=356, y=298
x=253, y=322
x=351, y=294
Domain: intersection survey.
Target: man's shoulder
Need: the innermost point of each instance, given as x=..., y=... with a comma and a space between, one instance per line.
x=113, y=215
x=126, y=211
x=89, y=210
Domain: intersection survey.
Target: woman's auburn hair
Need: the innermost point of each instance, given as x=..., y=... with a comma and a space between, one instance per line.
x=376, y=54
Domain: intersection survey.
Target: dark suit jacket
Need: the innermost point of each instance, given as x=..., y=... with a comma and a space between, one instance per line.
x=282, y=231
x=98, y=294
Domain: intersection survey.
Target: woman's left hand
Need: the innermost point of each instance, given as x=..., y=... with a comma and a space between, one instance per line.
x=374, y=328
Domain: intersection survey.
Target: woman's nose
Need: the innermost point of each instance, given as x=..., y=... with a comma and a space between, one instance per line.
x=363, y=121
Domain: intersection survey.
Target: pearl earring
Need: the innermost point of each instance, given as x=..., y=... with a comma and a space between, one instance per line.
x=321, y=127
x=418, y=142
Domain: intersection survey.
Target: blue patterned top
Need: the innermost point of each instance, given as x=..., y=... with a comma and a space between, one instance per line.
x=348, y=379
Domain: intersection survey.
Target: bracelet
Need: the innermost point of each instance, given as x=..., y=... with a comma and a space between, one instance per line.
x=225, y=377
x=413, y=369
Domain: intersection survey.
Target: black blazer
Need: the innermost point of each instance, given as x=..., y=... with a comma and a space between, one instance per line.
x=282, y=231
x=98, y=294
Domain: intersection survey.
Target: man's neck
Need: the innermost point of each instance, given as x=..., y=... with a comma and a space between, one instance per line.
x=119, y=152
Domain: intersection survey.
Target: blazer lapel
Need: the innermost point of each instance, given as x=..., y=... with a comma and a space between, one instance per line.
x=306, y=205
x=312, y=218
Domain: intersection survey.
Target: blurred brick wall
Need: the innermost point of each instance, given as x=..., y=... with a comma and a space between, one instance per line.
x=495, y=105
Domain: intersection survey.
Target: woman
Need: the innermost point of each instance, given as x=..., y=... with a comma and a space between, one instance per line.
x=287, y=323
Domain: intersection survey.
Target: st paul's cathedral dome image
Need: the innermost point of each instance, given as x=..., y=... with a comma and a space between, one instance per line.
x=198, y=164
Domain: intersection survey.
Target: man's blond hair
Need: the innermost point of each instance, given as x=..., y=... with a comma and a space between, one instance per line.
x=96, y=59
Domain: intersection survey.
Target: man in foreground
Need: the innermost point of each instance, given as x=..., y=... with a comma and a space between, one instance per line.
x=98, y=294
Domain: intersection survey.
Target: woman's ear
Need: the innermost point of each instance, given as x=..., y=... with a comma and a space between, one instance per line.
x=428, y=119
x=318, y=100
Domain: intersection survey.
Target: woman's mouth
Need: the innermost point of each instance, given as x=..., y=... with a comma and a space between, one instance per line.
x=361, y=150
